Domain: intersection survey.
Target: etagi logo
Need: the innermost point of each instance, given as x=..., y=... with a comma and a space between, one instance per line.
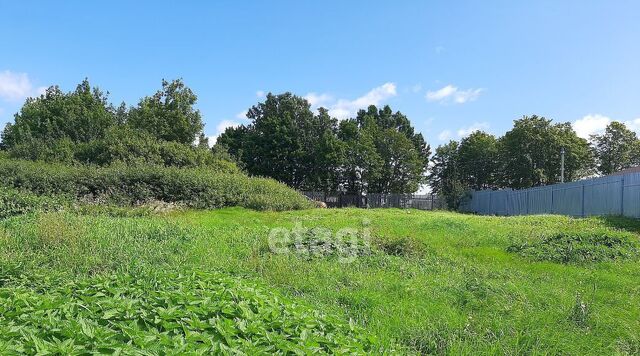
x=345, y=244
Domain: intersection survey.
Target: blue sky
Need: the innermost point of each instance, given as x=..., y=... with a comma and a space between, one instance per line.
x=450, y=67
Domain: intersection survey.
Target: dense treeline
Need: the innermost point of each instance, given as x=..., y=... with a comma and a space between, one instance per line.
x=83, y=127
x=79, y=147
x=378, y=151
x=529, y=155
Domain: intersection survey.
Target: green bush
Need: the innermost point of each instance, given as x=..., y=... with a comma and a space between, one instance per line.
x=580, y=247
x=203, y=188
x=122, y=145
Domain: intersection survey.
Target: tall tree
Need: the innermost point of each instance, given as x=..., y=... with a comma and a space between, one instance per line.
x=530, y=153
x=78, y=116
x=402, y=156
x=616, y=149
x=169, y=114
x=478, y=160
x=281, y=140
x=445, y=177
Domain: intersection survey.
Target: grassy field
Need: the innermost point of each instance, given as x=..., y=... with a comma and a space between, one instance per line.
x=413, y=282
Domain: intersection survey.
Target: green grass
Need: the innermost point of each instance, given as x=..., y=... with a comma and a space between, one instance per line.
x=419, y=282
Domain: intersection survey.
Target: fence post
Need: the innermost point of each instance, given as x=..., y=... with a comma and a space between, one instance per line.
x=583, y=212
x=622, y=196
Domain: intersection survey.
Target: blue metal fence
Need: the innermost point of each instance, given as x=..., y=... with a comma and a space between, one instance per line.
x=611, y=195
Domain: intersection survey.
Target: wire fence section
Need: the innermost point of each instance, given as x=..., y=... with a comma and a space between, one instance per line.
x=611, y=195
x=371, y=200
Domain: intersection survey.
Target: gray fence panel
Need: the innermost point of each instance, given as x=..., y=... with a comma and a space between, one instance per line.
x=567, y=199
x=484, y=202
x=611, y=195
x=631, y=197
x=603, y=196
x=540, y=200
x=517, y=202
x=499, y=202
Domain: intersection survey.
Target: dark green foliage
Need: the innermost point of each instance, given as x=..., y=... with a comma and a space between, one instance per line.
x=530, y=153
x=82, y=127
x=445, y=177
x=79, y=116
x=211, y=187
x=376, y=152
x=383, y=153
x=287, y=142
x=616, y=149
x=580, y=247
x=169, y=114
x=164, y=313
x=478, y=160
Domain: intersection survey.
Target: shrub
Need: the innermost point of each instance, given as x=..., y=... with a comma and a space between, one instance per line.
x=203, y=188
x=122, y=145
x=13, y=202
x=580, y=247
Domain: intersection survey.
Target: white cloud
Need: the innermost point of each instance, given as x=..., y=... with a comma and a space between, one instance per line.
x=317, y=100
x=478, y=126
x=416, y=88
x=242, y=115
x=590, y=125
x=451, y=93
x=444, y=135
x=634, y=125
x=594, y=124
x=220, y=128
x=343, y=109
x=17, y=86
x=260, y=94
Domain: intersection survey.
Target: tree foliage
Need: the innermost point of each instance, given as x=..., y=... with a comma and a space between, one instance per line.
x=445, y=175
x=616, y=149
x=169, y=114
x=80, y=116
x=478, y=160
x=530, y=153
x=377, y=151
x=83, y=127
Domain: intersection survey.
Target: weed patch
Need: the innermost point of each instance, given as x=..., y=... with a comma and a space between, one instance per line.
x=401, y=246
x=165, y=313
x=579, y=247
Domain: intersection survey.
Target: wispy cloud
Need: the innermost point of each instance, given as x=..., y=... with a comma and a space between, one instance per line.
x=477, y=126
x=345, y=108
x=17, y=86
x=444, y=135
x=317, y=100
x=451, y=94
x=260, y=94
x=220, y=128
x=242, y=115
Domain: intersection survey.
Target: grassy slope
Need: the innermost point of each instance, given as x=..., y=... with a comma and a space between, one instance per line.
x=448, y=287
x=458, y=292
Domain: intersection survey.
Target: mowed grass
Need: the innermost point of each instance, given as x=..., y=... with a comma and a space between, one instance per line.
x=430, y=283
